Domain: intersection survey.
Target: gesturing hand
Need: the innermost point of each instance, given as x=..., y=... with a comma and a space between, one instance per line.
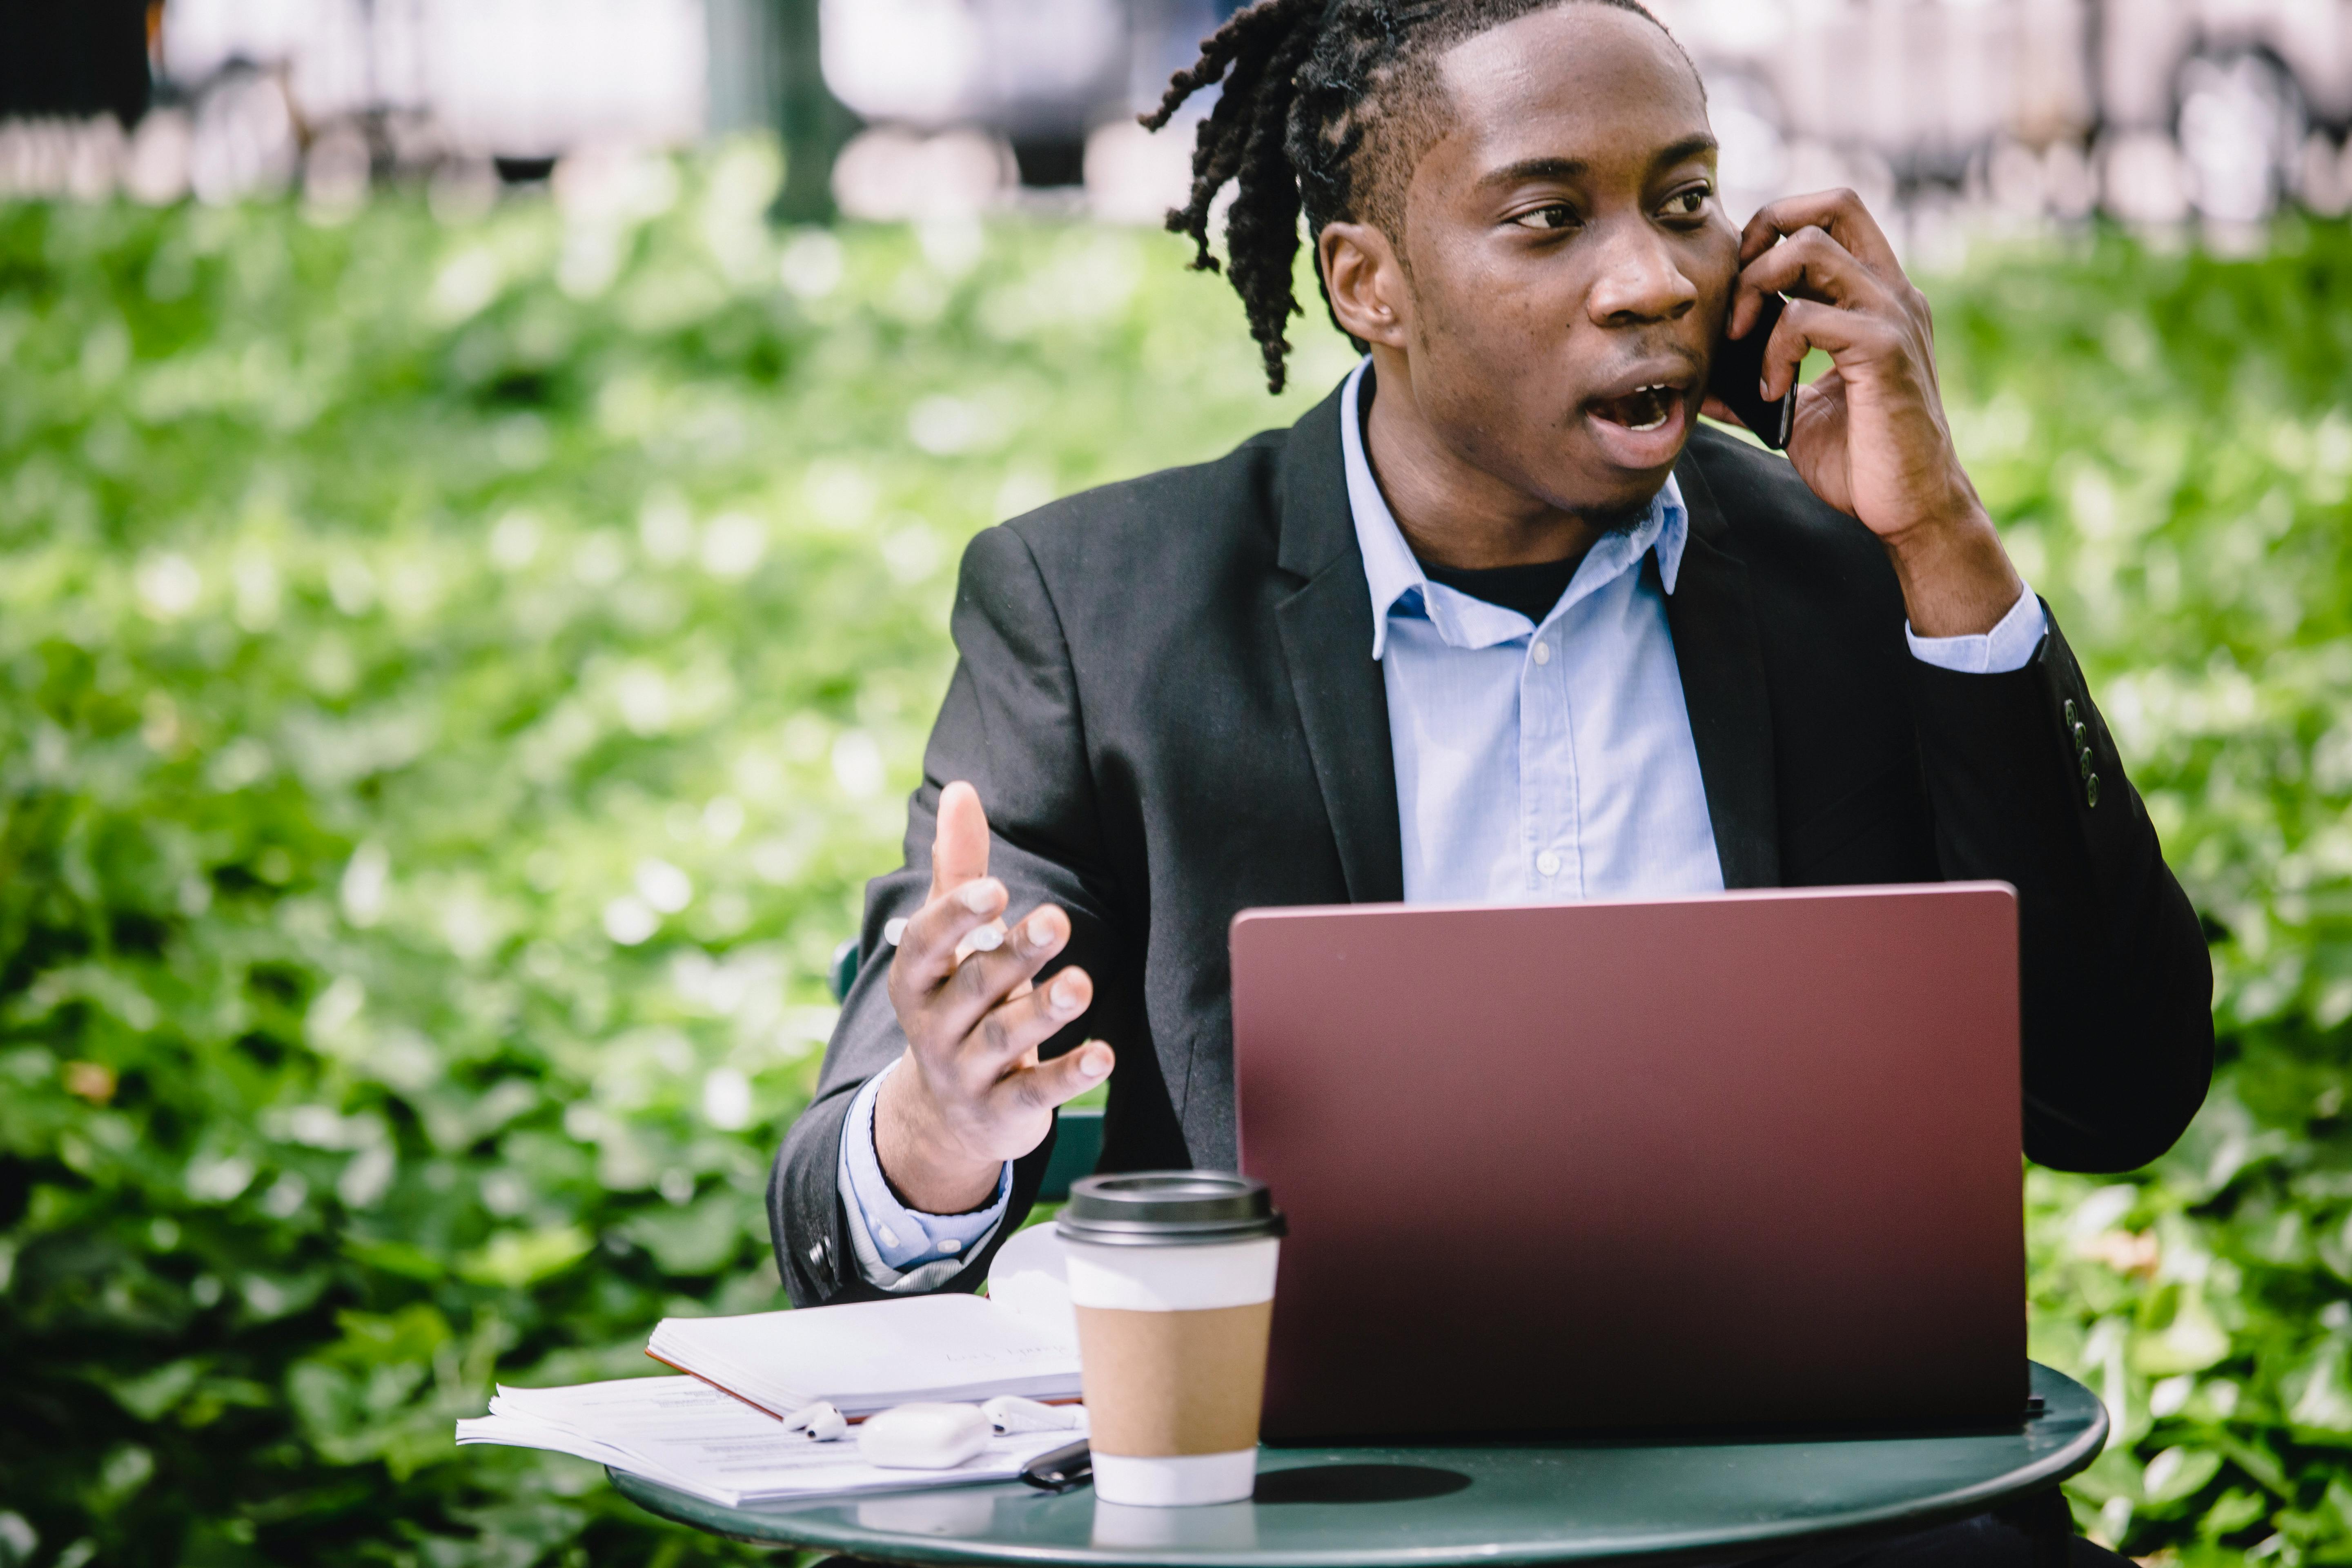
x=971, y=1092
x=1870, y=436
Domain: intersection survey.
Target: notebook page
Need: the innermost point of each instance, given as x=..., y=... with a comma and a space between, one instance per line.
x=869, y=1355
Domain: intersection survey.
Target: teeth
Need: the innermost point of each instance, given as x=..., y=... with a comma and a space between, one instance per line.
x=1657, y=396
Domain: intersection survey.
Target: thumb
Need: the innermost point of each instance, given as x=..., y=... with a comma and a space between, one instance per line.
x=1049, y=1084
x=959, y=845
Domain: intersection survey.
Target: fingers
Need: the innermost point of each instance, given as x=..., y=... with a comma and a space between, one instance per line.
x=984, y=938
x=963, y=902
x=1784, y=352
x=927, y=952
x=985, y=979
x=960, y=843
x=1809, y=265
x=1063, y=1079
x=1013, y=1031
x=1838, y=213
x=1809, y=325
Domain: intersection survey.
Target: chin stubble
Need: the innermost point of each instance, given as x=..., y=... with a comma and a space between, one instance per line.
x=1613, y=520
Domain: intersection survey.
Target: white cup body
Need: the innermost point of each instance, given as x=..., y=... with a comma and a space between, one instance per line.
x=1226, y=1289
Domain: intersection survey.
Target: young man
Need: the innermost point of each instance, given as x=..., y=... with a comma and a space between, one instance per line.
x=1496, y=621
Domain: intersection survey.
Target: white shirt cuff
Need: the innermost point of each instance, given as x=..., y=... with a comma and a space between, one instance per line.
x=900, y=1249
x=2008, y=647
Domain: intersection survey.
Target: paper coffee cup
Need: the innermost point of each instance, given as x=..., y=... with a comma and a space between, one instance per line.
x=1172, y=1276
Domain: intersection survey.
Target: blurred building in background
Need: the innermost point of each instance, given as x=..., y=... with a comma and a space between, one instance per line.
x=2157, y=111
x=2152, y=109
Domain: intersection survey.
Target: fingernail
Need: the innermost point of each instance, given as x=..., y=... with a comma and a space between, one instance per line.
x=1092, y=1062
x=894, y=931
x=1065, y=995
x=977, y=897
x=987, y=938
x=1041, y=931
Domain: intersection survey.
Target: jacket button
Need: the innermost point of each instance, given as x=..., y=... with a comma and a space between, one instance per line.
x=2084, y=762
x=817, y=1254
x=2091, y=791
x=2081, y=735
x=2071, y=716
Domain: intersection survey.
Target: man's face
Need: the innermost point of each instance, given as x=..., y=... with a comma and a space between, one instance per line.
x=1571, y=266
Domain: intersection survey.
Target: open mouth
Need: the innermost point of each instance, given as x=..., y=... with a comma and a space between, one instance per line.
x=1644, y=409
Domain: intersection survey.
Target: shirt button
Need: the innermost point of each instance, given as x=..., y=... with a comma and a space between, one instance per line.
x=1542, y=653
x=951, y=1245
x=1548, y=862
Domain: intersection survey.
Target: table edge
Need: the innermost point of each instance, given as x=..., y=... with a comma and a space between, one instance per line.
x=1662, y=1550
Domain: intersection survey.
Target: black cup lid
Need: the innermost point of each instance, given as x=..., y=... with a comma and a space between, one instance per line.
x=1170, y=1208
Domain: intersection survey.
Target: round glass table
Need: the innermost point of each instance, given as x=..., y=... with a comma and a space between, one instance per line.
x=1672, y=1499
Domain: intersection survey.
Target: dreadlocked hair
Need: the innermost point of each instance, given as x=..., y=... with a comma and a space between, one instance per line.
x=1319, y=98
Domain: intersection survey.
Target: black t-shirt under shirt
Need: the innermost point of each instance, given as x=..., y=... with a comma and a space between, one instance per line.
x=1530, y=590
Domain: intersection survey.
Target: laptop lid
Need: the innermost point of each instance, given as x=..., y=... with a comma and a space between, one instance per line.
x=1749, y=1159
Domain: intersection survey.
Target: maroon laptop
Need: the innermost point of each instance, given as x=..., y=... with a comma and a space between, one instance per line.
x=1737, y=1162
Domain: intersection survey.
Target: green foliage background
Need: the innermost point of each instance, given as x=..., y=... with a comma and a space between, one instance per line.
x=456, y=676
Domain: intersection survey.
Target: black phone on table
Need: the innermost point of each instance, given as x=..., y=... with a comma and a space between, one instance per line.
x=1068, y=1466
x=1739, y=372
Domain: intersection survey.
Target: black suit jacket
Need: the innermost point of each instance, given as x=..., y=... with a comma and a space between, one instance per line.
x=1167, y=700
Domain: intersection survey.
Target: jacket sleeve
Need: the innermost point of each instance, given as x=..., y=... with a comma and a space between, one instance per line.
x=1010, y=726
x=2117, y=985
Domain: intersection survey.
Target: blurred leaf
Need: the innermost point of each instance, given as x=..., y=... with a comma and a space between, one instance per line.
x=150, y=1396
x=514, y=1259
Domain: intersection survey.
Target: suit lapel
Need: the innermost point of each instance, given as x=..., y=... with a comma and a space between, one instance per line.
x=1327, y=637
x=1712, y=615
x=1327, y=642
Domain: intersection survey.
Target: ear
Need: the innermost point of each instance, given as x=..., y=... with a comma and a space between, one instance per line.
x=1366, y=283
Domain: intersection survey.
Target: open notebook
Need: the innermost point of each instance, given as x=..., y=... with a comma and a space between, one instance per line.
x=870, y=1355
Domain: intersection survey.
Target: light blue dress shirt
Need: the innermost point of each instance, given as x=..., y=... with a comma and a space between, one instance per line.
x=1535, y=762
x=900, y=1249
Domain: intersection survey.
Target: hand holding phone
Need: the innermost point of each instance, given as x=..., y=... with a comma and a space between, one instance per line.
x=1874, y=442
x=1736, y=380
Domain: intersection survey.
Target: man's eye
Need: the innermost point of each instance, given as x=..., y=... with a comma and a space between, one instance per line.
x=1557, y=216
x=1688, y=203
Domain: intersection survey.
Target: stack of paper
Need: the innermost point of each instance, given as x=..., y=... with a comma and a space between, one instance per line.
x=870, y=1355
x=721, y=1433
x=690, y=1436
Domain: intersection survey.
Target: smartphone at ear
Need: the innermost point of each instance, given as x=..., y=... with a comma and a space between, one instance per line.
x=1739, y=371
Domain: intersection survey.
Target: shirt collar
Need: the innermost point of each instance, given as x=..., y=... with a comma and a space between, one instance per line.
x=1392, y=572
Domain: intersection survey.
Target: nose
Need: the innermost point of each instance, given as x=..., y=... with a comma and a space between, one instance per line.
x=1639, y=282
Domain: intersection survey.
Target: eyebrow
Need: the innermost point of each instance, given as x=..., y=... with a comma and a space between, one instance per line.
x=1526, y=169
x=1566, y=169
x=1688, y=147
